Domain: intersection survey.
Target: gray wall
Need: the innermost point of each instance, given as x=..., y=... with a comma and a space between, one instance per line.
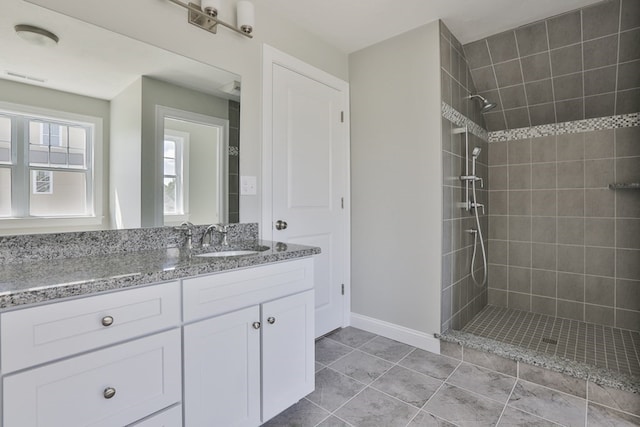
x=562, y=243
x=461, y=299
x=397, y=180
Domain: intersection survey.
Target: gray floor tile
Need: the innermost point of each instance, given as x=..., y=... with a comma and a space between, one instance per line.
x=372, y=408
x=425, y=419
x=333, y=389
x=362, y=366
x=604, y=417
x=408, y=386
x=550, y=404
x=387, y=349
x=483, y=381
x=463, y=407
x=319, y=366
x=333, y=422
x=302, y=414
x=328, y=351
x=352, y=337
x=431, y=364
x=513, y=417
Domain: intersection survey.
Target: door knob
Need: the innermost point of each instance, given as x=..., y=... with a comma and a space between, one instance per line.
x=281, y=225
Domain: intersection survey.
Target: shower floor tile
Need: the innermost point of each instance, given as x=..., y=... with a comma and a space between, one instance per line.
x=603, y=346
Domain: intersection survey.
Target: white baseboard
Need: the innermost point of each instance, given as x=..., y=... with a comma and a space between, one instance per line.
x=396, y=332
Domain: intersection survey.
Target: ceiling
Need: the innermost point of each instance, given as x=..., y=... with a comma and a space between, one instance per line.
x=91, y=61
x=352, y=25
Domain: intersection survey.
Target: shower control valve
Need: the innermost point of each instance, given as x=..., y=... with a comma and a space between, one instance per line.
x=475, y=205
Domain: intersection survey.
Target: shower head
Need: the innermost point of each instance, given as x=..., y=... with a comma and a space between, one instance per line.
x=486, y=104
x=476, y=152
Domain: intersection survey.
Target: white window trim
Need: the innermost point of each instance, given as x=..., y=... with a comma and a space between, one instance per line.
x=182, y=139
x=56, y=223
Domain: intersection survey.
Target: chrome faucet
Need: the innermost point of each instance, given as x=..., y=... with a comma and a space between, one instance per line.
x=222, y=229
x=187, y=227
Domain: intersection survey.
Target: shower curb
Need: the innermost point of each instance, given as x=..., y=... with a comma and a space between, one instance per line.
x=600, y=376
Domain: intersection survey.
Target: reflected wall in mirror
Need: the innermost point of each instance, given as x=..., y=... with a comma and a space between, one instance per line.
x=119, y=83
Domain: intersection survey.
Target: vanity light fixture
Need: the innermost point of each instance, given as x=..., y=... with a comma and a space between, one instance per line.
x=36, y=35
x=206, y=16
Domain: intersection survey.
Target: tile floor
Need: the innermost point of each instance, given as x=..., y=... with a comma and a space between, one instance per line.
x=367, y=380
x=603, y=346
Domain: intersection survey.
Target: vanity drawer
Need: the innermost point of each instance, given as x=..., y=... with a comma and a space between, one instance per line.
x=215, y=294
x=41, y=334
x=144, y=376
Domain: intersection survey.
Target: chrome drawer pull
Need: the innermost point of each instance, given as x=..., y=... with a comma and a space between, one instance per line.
x=271, y=320
x=107, y=321
x=109, y=392
x=256, y=325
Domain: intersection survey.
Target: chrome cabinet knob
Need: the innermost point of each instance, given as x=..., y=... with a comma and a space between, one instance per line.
x=271, y=320
x=107, y=321
x=109, y=392
x=256, y=325
x=281, y=225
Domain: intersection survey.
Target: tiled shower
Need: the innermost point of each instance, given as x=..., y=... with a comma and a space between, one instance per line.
x=563, y=247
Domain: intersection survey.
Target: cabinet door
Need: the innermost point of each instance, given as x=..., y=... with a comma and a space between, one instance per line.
x=287, y=352
x=222, y=370
x=110, y=387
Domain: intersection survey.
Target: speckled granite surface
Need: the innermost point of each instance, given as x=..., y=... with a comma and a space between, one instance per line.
x=45, y=267
x=36, y=247
x=47, y=280
x=574, y=369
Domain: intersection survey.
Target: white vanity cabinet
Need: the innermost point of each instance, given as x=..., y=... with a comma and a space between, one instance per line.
x=229, y=349
x=104, y=360
x=111, y=387
x=246, y=365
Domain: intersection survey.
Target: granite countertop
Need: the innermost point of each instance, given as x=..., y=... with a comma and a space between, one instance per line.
x=46, y=280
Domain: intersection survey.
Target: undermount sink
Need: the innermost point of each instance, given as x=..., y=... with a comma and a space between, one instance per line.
x=228, y=253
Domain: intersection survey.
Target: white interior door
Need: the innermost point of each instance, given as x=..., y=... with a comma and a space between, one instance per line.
x=310, y=181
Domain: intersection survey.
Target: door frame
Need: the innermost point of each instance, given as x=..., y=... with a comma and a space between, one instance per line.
x=270, y=57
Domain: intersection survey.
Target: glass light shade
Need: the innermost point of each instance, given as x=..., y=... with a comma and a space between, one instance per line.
x=212, y=5
x=246, y=16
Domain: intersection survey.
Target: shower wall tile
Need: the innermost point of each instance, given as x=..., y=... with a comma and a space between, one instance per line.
x=572, y=244
x=582, y=64
x=543, y=282
x=564, y=29
x=461, y=299
x=543, y=229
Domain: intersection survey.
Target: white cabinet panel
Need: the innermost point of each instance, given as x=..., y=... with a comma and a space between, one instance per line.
x=287, y=352
x=145, y=376
x=40, y=334
x=222, y=370
x=172, y=417
x=224, y=292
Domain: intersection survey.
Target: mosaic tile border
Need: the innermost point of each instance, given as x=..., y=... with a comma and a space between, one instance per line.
x=587, y=125
x=454, y=116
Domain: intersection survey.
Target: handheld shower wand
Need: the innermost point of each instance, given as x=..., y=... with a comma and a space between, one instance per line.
x=478, y=231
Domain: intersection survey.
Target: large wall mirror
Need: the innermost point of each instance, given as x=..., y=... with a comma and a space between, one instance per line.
x=102, y=131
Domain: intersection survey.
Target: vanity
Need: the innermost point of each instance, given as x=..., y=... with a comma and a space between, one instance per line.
x=155, y=337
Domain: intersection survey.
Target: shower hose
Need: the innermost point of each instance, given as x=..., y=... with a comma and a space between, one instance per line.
x=477, y=235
